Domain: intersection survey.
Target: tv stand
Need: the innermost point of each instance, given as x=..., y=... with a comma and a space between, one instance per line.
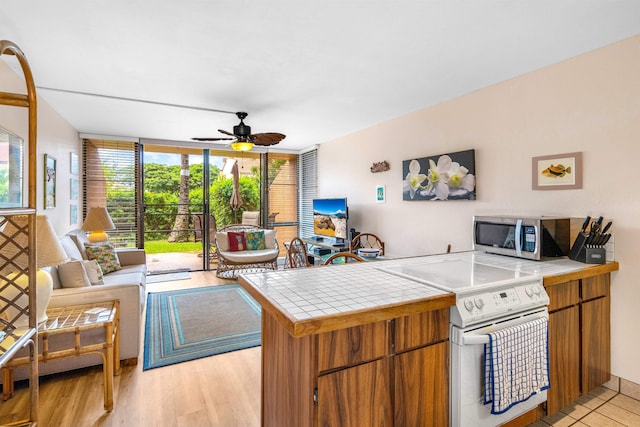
x=325, y=244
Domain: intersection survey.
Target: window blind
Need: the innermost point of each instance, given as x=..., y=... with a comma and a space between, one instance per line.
x=308, y=177
x=111, y=171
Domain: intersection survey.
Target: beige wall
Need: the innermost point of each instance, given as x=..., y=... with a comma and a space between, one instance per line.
x=590, y=103
x=55, y=137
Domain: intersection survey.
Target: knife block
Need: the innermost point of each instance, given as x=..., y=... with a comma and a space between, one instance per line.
x=589, y=255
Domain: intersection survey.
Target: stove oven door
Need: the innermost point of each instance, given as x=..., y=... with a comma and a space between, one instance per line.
x=467, y=374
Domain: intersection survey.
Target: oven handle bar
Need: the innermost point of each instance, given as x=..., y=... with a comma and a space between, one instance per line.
x=479, y=336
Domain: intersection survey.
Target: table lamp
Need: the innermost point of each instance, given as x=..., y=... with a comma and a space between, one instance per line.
x=96, y=222
x=14, y=242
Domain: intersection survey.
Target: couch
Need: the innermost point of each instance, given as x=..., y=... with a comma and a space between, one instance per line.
x=257, y=251
x=126, y=284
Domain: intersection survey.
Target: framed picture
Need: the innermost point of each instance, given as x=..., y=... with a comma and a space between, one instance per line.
x=49, y=181
x=380, y=194
x=450, y=176
x=557, y=172
x=73, y=214
x=73, y=192
x=74, y=164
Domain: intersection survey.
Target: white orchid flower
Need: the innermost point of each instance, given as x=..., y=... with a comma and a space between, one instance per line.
x=414, y=177
x=459, y=177
x=439, y=177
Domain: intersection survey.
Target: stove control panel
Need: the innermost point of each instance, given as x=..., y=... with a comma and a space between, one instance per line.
x=496, y=302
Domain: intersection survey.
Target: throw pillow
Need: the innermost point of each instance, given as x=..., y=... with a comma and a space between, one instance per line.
x=80, y=238
x=255, y=240
x=94, y=272
x=106, y=256
x=237, y=241
x=70, y=248
x=73, y=275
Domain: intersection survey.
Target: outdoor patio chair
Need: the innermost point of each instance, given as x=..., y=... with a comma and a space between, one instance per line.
x=366, y=240
x=198, y=225
x=251, y=218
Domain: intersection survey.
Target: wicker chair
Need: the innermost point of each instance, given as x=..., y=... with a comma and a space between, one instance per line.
x=230, y=264
x=343, y=258
x=297, y=255
x=366, y=240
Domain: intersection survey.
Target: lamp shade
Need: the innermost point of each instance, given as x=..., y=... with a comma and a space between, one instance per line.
x=98, y=219
x=48, y=249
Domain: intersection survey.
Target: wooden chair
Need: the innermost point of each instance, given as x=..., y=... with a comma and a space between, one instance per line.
x=297, y=255
x=344, y=256
x=366, y=240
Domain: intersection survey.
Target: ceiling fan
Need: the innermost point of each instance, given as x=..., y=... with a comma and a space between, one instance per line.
x=244, y=139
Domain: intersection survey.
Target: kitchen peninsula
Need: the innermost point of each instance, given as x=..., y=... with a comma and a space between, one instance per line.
x=350, y=345
x=354, y=345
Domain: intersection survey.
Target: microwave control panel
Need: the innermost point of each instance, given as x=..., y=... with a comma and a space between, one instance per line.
x=529, y=238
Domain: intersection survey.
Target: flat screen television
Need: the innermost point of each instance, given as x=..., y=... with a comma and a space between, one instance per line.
x=330, y=218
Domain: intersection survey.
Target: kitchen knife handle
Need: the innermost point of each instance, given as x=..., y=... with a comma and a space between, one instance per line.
x=606, y=227
x=597, y=224
x=585, y=224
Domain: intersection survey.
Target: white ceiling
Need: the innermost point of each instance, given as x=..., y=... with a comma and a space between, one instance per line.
x=313, y=70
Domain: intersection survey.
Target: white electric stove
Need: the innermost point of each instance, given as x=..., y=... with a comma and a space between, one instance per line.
x=491, y=293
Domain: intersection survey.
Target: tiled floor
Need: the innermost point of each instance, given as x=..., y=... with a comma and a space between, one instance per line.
x=600, y=408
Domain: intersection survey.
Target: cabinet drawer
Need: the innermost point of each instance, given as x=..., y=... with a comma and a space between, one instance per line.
x=421, y=329
x=563, y=294
x=352, y=346
x=596, y=286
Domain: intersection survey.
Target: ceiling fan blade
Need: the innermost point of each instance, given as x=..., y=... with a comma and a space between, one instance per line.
x=212, y=139
x=225, y=132
x=269, y=138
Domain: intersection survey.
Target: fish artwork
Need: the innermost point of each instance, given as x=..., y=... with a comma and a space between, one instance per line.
x=556, y=171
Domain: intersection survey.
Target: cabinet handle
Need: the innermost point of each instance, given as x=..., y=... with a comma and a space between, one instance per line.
x=392, y=334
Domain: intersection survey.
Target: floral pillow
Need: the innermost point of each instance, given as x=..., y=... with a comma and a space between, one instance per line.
x=255, y=240
x=105, y=255
x=237, y=241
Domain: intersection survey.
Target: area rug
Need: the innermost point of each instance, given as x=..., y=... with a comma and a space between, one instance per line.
x=188, y=324
x=168, y=277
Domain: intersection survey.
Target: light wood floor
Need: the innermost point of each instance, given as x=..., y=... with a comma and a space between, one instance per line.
x=222, y=390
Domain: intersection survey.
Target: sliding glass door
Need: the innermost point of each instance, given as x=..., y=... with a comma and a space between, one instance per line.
x=170, y=200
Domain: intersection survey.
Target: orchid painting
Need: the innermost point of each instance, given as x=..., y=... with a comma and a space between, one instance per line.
x=444, y=177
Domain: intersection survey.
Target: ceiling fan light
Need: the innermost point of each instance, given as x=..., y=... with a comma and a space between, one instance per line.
x=242, y=145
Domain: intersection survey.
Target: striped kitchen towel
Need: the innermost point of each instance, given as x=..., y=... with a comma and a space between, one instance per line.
x=516, y=364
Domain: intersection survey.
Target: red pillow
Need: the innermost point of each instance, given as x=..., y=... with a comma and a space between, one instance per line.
x=237, y=241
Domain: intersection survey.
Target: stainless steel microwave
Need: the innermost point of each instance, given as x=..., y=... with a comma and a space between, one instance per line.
x=534, y=238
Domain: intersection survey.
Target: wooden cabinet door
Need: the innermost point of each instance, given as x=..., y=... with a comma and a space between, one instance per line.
x=357, y=396
x=352, y=346
x=596, y=343
x=564, y=358
x=422, y=387
x=421, y=329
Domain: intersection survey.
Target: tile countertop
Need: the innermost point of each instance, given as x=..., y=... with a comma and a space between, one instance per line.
x=319, y=299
